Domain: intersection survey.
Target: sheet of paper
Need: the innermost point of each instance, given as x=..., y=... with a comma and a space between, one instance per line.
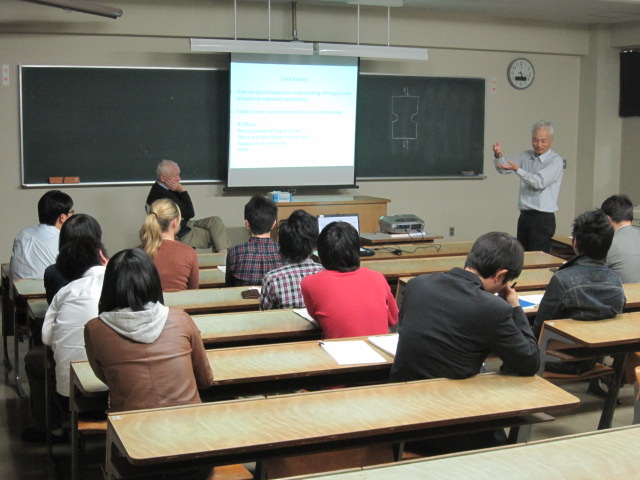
x=352, y=352
x=222, y=268
x=304, y=314
x=386, y=343
x=528, y=302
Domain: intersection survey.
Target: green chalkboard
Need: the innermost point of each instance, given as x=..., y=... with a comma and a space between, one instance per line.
x=419, y=126
x=113, y=125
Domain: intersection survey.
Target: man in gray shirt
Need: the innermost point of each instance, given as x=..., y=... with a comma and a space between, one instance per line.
x=540, y=173
x=624, y=254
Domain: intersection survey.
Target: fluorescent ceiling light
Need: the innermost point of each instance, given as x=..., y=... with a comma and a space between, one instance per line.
x=377, y=3
x=250, y=46
x=81, y=6
x=372, y=51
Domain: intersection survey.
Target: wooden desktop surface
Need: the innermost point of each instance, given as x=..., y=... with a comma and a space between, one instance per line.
x=210, y=260
x=236, y=368
x=422, y=250
x=394, y=269
x=619, y=330
x=379, y=238
x=208, y=300
x=604, y=454
x=264, y=326
x=253, y=428
x=568, y=339
x=529, y=279
x=211, y=278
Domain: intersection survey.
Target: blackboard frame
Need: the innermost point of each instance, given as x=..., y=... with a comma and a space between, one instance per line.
x=217, y=148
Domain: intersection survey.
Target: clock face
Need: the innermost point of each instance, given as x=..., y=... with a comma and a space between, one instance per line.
x=520, y=73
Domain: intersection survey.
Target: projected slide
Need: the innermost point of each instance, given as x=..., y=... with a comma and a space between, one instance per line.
x=292, y=120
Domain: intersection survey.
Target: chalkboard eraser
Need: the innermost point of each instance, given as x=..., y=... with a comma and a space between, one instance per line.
x=468, y=173
x=54, y=180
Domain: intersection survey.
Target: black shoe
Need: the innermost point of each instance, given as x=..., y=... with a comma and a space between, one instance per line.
x=33, y=435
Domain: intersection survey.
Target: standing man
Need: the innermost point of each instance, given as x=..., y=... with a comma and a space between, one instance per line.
x=540, y=172
x=624, y=255
x=35, y=248
x=208, y=232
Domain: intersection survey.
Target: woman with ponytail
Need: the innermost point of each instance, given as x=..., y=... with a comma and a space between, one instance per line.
x=176, y=262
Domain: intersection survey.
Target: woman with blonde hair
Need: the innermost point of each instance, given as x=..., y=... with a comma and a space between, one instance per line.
x=176, y=262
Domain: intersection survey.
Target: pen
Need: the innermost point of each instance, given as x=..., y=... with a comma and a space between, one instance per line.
x=513, y=285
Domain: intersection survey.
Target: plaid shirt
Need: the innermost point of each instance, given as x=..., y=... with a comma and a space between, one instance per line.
x=281, y=287
x=248, y=263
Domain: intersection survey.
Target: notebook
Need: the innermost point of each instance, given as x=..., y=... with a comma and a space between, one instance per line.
x=352, y=218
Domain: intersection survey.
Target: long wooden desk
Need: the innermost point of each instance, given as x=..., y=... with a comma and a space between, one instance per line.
x=529, y=279
x=395, y=269
x=211, y=278
x=262, y=369
x=211, y=260
x=615, y=337
x=8, y=311
x=251, y=370
x=23, y=291
x=250, y=430
x=604, y=454
x=209, y=300
x=244, y=328
x=422, y=250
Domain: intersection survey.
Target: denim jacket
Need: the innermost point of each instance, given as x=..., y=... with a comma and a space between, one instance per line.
x=582, y=289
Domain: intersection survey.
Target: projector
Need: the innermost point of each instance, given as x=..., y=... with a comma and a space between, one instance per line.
x=406, y=223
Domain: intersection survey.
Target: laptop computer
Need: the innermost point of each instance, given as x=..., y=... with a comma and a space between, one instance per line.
x=352, y=218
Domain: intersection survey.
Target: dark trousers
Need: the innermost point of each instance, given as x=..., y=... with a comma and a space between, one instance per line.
x=34, y=368
x=535, y=230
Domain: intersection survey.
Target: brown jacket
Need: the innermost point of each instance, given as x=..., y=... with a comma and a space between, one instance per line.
x=166, y=366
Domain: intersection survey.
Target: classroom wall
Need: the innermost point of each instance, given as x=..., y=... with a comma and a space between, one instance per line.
x=570, y=89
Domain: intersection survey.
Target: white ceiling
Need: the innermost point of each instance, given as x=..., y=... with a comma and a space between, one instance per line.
x=564, y=11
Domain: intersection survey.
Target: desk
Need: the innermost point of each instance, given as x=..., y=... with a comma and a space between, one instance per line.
x=422, y=250
x=616, y=337
x=262, y=369
x=605, y=454
x=380, y=238
x=228, y=432
x=562, y=245
x=23, y=291
x=394, y=269
x=229, y=329
x=7, y=312
x=243, y=371
x=370, y=209
x=210, y=260
x=529, y=279
x=211, y=278
x=209, y=300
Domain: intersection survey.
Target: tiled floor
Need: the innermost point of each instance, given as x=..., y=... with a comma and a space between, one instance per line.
x=20, y=460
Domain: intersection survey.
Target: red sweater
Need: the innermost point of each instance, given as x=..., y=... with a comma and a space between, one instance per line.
x=177, y=264
x=351, y=304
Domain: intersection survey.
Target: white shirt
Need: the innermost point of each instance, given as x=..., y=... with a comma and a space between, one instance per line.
x=540, y=179
x=63, y=329
x=34, y=249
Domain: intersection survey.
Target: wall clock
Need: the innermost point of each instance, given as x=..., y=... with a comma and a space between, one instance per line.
x=520, y=73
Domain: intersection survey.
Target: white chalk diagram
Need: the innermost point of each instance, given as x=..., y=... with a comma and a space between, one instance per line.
x=404, y=122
